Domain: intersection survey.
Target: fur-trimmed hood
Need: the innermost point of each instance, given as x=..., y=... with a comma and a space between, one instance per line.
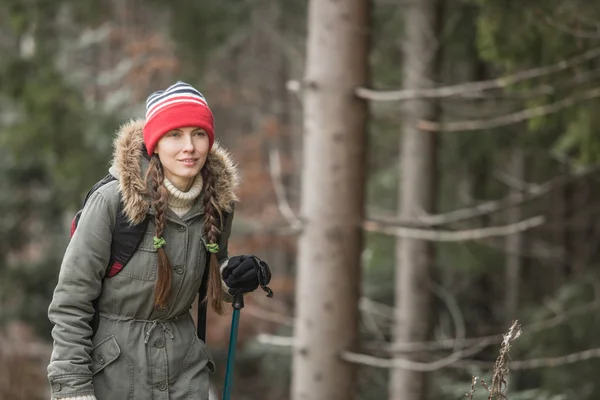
x=129, y=166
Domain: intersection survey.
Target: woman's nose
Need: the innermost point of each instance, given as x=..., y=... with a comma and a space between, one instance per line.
x=189, y=144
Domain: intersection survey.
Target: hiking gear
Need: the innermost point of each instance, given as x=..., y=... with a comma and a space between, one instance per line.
x=240, y=274
x=243, y=273
x=180, y=105
x=238, y=304
x=173, y=363
x=125, y=237
x=263, y=273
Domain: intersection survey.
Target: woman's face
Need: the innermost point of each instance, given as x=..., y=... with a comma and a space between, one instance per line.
x=182, y=153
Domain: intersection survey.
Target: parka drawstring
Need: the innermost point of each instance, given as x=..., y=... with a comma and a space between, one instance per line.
x=154, y=324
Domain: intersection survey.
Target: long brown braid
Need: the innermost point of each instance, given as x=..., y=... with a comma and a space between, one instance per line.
x=160, y=195
x=213, y=224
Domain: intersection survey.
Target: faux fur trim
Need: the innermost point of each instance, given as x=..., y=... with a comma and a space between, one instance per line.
x=127, y=162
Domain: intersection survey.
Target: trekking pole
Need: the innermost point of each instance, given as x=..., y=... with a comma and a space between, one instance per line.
x=264, y=277
x=238, y=304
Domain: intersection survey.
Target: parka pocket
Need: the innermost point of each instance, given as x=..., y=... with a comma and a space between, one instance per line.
x=210, y=363
x=110, y=370
x=198, y=356
x=144, y=262
x=198, y=366
x=104, y=353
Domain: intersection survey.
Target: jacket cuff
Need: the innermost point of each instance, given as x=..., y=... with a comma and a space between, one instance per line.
x=226, y=296
x=223, y=266
x=72, y=386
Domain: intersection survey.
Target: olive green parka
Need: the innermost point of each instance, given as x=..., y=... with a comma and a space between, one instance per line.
x=138, y=351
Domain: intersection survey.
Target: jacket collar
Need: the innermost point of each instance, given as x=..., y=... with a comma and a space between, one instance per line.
x=129, y=166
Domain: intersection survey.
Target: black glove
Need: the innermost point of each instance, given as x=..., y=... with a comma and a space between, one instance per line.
x=245, y=273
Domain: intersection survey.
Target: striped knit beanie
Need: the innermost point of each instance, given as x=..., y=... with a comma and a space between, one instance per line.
x=178, y=106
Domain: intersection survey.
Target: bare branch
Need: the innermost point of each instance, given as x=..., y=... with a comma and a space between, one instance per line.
x=454, y=236
x=269, y=316
x=287, y=341
x=402, y=363
x=459, y=215
x=571, y=31
x=529, y=329
x=490, y=207
x=549, y=362
x=277, y=341
x=508, y=119
x=456, y=359
x=500, y=366
x=455, y=312
x=544, y=362
x=284, y=206
x=454, y=90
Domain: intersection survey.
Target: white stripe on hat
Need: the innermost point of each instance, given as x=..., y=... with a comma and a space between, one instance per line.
x=173, y=100
x=180, y=92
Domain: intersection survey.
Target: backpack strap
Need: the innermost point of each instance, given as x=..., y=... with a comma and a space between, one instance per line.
x=202, y=305
x=126, y=239
x=107, y=179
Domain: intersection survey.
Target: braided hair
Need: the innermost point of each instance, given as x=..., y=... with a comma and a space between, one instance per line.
x=213, y=225
x=160, y=195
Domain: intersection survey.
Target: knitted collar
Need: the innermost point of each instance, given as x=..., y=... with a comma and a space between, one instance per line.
x=183, y=200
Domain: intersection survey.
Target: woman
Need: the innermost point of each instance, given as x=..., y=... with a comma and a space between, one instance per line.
x=144, y=346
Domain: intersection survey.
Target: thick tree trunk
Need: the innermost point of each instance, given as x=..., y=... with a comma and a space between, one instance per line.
x=332, y=202
x=418, y=166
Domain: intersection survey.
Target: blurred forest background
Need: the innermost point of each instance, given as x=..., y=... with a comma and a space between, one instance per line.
x=507, y=228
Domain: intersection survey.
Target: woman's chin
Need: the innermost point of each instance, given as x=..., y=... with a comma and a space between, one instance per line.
x=188, y=173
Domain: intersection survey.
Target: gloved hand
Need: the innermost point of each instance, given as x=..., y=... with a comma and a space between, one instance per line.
x=245, y=273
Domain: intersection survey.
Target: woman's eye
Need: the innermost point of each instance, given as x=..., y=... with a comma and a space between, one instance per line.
x=200, y=133
x=174, y=134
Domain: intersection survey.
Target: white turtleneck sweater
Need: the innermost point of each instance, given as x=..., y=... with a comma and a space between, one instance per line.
x=181, y=202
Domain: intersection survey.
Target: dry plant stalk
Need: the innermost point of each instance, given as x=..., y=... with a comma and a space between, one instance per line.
x=498, y=386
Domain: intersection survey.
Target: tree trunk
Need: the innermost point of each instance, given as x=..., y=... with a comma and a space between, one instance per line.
x=418, y=166
x=514, y=242
x=332, y=202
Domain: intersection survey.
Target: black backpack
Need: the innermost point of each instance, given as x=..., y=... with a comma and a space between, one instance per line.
x=125, y=240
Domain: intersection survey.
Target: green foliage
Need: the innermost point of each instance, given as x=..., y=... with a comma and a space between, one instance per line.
x=53, y=147
x=575, y=381
x=538, y=37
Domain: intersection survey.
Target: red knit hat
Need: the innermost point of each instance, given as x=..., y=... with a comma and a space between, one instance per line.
x=178, y=106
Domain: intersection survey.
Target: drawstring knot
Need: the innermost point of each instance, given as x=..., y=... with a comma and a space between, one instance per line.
x=154, y=324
